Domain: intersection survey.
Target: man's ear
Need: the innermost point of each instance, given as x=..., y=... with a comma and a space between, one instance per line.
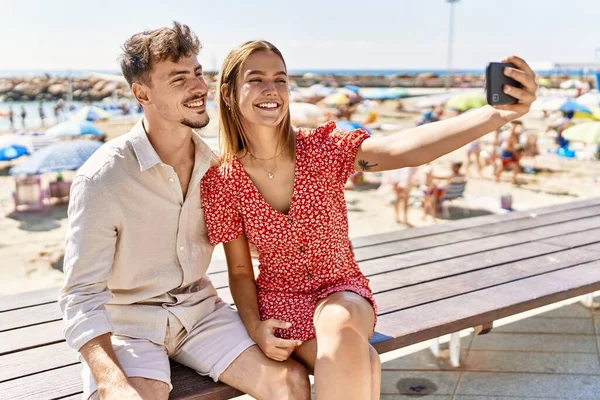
x=140, y=92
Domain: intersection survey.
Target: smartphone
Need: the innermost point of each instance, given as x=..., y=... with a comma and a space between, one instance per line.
x=495, y=80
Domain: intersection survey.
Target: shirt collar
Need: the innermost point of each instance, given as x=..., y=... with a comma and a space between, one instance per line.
x=148, y=157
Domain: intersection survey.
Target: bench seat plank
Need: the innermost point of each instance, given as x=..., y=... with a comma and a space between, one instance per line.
x=32, y=315
x=27, y=299
x=479, y=280
x=52, y=384
x=36, y=360
x=467, y=223
x=30, y=337
x=434, y=319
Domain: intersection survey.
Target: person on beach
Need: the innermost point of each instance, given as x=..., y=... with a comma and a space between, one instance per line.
x=136, y=291
x=11, y=118
x=282, y=190
x=41, y=112
x=23, y=116
x=508, y=157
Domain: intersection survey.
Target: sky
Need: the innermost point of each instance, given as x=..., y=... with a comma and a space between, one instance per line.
x=312, y=34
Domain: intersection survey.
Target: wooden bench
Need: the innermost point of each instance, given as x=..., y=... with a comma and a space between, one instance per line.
x=428, y=282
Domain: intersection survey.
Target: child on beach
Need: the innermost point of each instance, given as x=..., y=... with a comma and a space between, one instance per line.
x=281, y=189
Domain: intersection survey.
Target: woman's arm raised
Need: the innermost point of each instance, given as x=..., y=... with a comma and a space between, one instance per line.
x=425, y=143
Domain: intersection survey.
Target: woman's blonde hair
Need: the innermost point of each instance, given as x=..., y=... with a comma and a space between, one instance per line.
x=231, y=132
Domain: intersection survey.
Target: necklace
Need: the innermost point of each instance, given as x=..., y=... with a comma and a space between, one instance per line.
x=270, y=174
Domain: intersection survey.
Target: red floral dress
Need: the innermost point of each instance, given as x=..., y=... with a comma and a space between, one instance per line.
x=306, y=254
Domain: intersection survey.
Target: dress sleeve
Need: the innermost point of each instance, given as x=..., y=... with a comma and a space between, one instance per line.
x=339, y=149
x=222, y=217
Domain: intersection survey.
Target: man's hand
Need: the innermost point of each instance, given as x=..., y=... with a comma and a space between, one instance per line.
x=525, y=96
x=273, y=347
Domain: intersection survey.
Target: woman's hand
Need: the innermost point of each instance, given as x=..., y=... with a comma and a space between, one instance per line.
x=525, y=96
x=273, y=347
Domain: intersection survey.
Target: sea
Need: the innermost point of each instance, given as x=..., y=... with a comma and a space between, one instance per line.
x=33, y=119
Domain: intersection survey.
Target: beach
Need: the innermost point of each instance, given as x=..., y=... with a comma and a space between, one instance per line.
x=32, y=243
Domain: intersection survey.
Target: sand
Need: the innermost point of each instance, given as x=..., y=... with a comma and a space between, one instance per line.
x=32, y=244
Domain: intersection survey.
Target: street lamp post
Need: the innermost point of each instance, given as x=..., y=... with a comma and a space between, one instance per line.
x=450, y=40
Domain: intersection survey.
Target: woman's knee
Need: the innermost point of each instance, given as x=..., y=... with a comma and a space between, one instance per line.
x=343, y=310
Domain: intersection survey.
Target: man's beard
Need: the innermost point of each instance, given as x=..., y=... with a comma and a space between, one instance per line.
x=195, y=124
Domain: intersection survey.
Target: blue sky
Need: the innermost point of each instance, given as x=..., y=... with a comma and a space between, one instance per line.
x=312, y=34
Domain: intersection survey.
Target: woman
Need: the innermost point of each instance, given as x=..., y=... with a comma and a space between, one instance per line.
x=281, y=189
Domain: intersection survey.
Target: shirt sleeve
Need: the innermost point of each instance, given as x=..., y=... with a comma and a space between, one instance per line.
x=223, y=220
x=89, y=255
x=340, y=148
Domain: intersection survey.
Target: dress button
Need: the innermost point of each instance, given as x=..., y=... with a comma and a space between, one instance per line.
x=309, y=275
x=181, y=248
x=302, y=249
x=171, y=180
x=289, y=221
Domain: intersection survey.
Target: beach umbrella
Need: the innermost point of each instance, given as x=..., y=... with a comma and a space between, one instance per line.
x=433, y=101
x=12, y=151
x=383, y=93
x=74, y=128
x=336, y=99
x=544, y=82
x=350, y=126
x=61, y=156
x=91, y=113
x=595, y=115
x=466, y=101
x=572, y=105
x=588, y=132
x=590, y=99
x=353, y=88
x=306, y=113
x=574, y=84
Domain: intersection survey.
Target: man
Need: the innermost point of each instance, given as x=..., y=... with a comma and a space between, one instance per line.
x=509, y=153
x=136, y=290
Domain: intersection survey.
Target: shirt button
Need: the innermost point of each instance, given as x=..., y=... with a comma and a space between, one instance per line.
x=171, y=180
x=309, y=275
x=181, y=248
x=289, y=220
x=302, y=249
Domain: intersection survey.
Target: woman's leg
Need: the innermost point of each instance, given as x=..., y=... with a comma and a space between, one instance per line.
x=307, y=356
x=343, y=365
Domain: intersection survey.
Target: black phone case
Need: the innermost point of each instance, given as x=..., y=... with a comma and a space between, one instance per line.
x=495, y=80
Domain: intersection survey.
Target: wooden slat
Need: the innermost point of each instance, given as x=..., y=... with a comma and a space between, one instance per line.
x=45, y=385
x=467, y=223
x=445, y=288
x=187, y=385
x=448, y=252
x=32, y=315
x=36, y=360
x=457, y=265
x=438, y=318
x=27, y=299
x=30, y=337
x=516, y=226
x=576, y=239
x=444, y=252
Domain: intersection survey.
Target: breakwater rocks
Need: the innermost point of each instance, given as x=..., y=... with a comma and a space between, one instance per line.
x=95, y=88
x=54, y=88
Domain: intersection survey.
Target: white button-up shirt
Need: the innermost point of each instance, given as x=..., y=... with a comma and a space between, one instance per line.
x=136, y=249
